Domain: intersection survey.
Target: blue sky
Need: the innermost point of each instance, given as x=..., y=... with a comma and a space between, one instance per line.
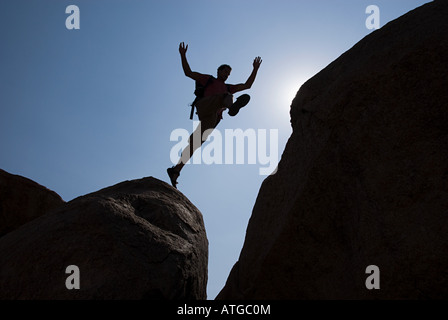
x=85, y=109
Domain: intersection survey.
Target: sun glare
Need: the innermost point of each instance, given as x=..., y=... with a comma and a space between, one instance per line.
x=289, y=90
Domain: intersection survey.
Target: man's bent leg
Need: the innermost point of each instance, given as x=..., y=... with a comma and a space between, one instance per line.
x=228, y=100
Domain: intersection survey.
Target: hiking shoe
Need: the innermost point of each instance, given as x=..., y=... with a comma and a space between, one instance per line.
x=240, y=102
x=173, y=174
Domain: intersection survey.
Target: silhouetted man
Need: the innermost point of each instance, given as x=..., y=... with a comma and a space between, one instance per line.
x=217, y=97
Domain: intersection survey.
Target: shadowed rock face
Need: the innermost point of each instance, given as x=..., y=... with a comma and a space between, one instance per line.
x=139, y=239
x=363, y=179
x=22, y=200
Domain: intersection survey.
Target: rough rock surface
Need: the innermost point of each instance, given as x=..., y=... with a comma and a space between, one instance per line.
x=22, y=200
x=139, y=239
x=363, y=179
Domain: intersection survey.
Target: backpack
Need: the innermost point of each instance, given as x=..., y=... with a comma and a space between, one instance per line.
x=199, y=93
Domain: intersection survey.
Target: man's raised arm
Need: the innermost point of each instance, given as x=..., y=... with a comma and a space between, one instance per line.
x=187, y=70
x=251, y=79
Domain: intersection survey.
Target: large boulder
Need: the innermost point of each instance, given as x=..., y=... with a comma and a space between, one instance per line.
x=363, y=179
x=22, y=200
x=139, y=239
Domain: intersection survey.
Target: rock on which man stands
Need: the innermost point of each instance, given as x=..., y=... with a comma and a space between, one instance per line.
x=139, y=239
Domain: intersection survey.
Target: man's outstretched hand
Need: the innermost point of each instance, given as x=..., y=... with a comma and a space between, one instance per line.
x=257, y=62
x=183, y=48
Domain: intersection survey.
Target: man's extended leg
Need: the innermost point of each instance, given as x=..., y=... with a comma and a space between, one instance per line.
x=210, y=113
x=196, y=139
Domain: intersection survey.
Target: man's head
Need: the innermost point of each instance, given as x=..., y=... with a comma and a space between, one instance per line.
x=224, y=72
